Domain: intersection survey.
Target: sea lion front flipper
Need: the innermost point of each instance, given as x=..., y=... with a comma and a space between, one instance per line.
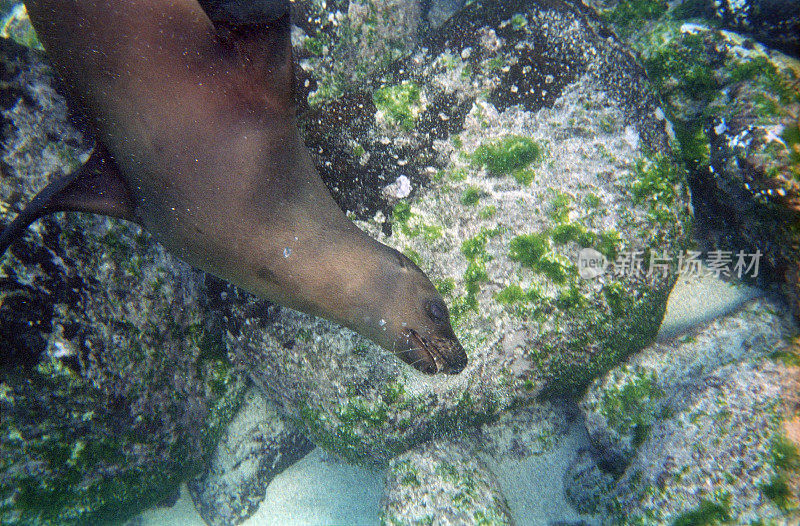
x=96, y=187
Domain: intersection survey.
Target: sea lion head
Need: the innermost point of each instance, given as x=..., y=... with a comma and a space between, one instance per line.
x=416, y=323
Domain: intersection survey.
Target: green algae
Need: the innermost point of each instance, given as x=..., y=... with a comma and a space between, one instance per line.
x=566, y=232
x=411, y=224
x=629, y=13
x=707, y=513
x=445, y=286
x=471, y=196
x=631, y=408
x=785, y=459
x=519, y=302
x=509, y=156
x=512, y=294
x=784, y=453
x=778, y=491
x=400, y=103
x=528, y=249
x=560, y=207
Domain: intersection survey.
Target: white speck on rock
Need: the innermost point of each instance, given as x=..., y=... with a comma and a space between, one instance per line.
x=400, y=189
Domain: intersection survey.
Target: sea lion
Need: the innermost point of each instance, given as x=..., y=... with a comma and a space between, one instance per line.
x=197, y=142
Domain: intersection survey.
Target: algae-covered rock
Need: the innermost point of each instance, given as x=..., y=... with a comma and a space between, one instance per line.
x=622, y=406
x=527, y=137
x=698, y=426
x=735, y=107
x=114, y=385
x=256, y=447
x=442, y=483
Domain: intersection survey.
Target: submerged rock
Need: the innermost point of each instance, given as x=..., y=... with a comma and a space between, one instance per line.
x=527, y=136
x=256, y=447
x=735, y=107
x=622, y=406
x=698, y=425
x=773, y=22
x=114, y=386
x=442, y=483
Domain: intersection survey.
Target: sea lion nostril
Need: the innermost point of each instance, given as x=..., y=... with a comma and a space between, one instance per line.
x=457, y=361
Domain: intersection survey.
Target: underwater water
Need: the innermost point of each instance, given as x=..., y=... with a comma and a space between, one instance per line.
x=596, y=203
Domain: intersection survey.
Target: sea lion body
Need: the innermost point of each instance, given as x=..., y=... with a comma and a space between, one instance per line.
x=200, y=124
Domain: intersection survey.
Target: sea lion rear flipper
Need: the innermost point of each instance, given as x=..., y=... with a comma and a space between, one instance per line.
x=96, y=187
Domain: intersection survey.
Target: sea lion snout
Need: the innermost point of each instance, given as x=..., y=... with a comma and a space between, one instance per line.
x=418, y=328
x=430, y=345
x=432, y=355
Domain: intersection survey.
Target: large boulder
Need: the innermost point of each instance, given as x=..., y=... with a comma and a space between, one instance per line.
x=734, y=106
x=704, y=426
x=442, y=483
x=114, y=384
x=515, y=137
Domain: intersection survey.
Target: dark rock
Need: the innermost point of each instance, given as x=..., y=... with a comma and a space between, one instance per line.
x=113, y=387
x=776, y=23
x=256, y=447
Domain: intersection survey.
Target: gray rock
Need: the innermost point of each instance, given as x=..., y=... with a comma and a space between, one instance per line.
x=697, y=424
x=256, y=447
x=500, y=231
x=114, y=384
x=523, y=432
x=621, y=407
x=442, y=483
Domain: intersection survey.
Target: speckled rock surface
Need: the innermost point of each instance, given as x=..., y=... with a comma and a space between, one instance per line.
x=621, y=407
x=114, y=386
x=525, y=135
x=735, y=108
x=442, y=483
x=256, y=447
x=699, y=425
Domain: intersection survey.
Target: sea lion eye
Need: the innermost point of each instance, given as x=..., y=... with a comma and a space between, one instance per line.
x=437, y=311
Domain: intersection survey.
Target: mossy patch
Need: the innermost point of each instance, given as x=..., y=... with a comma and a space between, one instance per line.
x=528, y=249
x=471, y=196
x=566, y=232
x=511, y=155
x=628, y=13
x=707, y=513
x=401, y=103
x=630, y=408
